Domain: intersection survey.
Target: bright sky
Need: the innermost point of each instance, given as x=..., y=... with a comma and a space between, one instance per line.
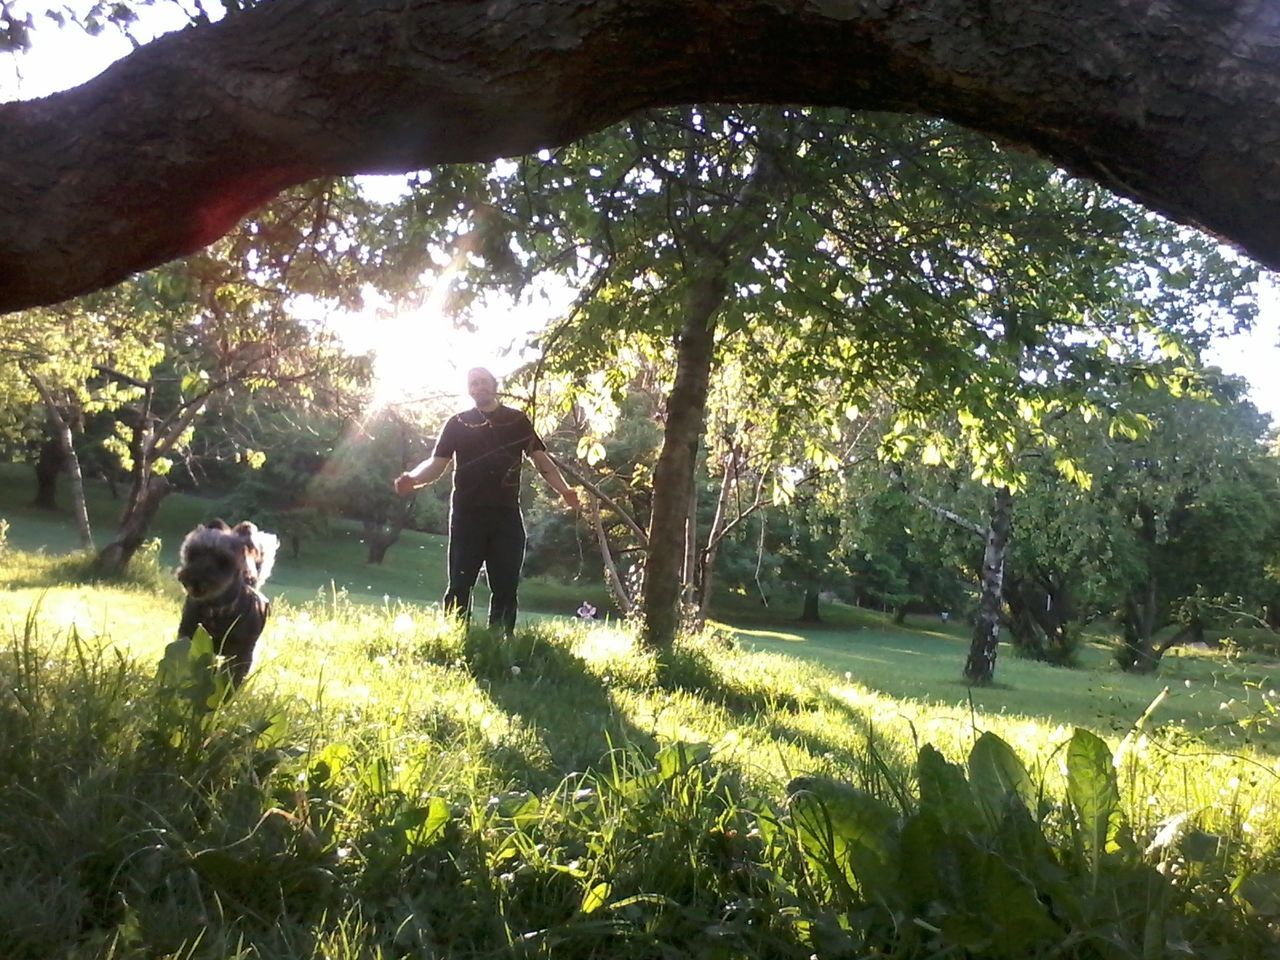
x=65, y=58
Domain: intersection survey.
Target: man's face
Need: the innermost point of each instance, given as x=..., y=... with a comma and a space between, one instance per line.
x=482, y=387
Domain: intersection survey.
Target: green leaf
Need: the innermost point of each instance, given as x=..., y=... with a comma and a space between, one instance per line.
x=519, y=806
x=998, y=778
x=196, y=380
x=981, y=901
x=422, y=826
x=677, y=759
x=1260, y=892
x=596, y=897
x=1093, y=792
x=945, y=793
x=848, y=834
x=328, y=764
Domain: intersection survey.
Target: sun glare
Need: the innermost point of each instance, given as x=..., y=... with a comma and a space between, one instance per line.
x=422, y=354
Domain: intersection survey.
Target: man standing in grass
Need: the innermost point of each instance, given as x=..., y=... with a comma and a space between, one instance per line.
x=489, y=443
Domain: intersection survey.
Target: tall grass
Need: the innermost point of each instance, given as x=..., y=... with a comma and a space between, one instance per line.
x=387, y=784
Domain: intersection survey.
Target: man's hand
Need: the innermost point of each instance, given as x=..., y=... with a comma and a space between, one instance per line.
x=570, y=496
x=405, y=485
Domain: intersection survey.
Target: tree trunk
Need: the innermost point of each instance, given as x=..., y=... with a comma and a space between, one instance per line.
x=60, y=424
x=48, y=466
x=380, y=540
x=115, y=556
x=79, y=506
x=1192, y=632
x=686, y=415
x=980, y=668
x=810, y=612
x=617, y=589
x=1172, y=104
x=690, y=573
x=378, y=547
x=1137, y=653
x=382, y=534
x=707, y=563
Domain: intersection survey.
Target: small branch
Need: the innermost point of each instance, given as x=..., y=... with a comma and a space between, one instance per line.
x=599, y=494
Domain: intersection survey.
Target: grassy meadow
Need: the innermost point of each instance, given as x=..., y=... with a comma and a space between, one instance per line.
x=388, y=785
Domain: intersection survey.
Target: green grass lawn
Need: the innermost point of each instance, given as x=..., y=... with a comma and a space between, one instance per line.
x=414, y=569
x=1209, y=693
x=387, y=785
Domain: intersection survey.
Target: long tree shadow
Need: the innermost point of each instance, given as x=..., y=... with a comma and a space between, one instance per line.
x=692, y=668
x=758, y=696
x=536, y=677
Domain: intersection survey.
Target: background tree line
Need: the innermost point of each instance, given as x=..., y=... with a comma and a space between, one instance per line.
x=872, y=356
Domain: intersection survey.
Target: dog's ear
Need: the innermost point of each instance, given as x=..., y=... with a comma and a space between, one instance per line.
x=218, y=524
x=247, y=533
x=267, y=544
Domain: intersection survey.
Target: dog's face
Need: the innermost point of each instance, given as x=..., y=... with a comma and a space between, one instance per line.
x=215, y=558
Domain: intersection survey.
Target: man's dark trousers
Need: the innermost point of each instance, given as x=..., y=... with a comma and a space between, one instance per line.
x=492, y=537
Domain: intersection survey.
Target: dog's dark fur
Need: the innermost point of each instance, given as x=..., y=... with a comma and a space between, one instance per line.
x=223, y=570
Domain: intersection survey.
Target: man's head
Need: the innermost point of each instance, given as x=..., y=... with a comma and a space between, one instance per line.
x=483, y=388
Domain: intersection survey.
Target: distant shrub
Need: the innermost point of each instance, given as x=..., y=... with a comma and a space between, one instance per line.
x=146, y=571
x=1253, y=640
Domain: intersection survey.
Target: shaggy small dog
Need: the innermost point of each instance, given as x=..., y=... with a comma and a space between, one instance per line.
x=223, y=569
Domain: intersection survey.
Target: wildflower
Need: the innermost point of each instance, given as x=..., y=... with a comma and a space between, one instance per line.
x=586, y=611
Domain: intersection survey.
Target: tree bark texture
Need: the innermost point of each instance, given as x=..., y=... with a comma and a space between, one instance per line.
x=60, y=425
x=1138, y=622
x=613, y=581
x=980, y=668
x=49, y=465
x=1174, y=104
x=707, y=560
x=689, y=575
x=686, y=417
x=810, y=612
x=115, y=556
x=79, y=506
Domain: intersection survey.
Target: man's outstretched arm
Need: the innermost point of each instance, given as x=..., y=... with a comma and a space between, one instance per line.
x=425, y=473
x=551, y=473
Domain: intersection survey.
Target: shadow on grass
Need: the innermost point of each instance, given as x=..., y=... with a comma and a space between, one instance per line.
x=546, y=685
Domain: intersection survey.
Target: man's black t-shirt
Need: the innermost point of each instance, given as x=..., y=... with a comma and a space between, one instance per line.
x=489, y=449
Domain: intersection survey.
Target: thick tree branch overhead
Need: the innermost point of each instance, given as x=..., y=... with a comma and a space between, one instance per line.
x=1175, y=104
